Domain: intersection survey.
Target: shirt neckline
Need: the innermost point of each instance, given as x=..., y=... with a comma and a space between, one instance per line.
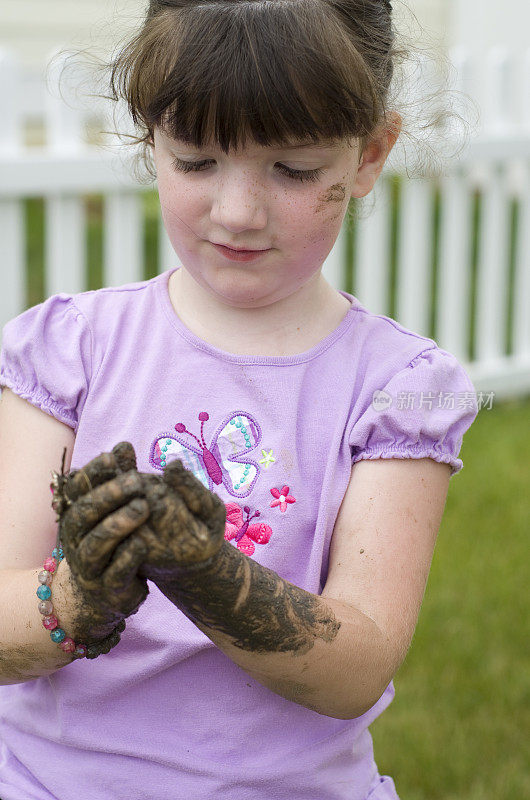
x=223, y=355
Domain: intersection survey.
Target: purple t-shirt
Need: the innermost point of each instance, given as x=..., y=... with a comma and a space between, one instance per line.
x=166, y=714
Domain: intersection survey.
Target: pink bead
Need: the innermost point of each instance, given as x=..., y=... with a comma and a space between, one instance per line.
x=68, y=645
x=45, y=607
x=50, y=564
x=50, y=622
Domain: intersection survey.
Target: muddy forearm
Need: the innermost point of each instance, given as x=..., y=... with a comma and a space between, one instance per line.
x=26, y=649
x=321, y=655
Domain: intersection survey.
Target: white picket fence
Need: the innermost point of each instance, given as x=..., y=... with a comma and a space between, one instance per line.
x=496, y=164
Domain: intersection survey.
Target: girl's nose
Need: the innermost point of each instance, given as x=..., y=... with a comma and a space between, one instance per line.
x=239, y=204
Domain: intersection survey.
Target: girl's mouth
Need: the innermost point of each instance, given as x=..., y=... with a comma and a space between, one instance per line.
x=239, y=255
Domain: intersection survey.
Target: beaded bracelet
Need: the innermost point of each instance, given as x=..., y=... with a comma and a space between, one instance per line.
x=50, y=621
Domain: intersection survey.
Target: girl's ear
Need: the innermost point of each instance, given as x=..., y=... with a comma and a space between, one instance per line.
x=375, y=154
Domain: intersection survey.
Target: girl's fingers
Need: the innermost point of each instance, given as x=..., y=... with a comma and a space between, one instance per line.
x=100, y=470
x=91, y=508
x=98, y=546
x=198, y=499
x=125, y=456
x=123, y=571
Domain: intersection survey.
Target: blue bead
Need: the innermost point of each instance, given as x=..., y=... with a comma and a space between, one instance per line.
x=164, y=449
x=238, y=423
x=248, y=445
x=44, y=592
x=243, y=429
x=236, y=486
x=57, y=635
x=168, y=441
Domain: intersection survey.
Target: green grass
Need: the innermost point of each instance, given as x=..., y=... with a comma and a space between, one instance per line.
x=458, y=726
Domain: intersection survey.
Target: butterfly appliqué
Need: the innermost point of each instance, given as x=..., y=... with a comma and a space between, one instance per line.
x=225, y=460
x=242, y=531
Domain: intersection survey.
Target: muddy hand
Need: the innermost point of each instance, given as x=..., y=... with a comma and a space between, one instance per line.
x=99, y=530
x=186, y=525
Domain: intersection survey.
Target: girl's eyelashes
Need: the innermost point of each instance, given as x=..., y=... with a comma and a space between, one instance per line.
x=294, y=174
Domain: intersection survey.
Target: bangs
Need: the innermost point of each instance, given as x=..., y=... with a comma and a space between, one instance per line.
x=230, y=74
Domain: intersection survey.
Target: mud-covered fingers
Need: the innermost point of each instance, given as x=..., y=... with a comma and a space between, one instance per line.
x=121, y=577
x=98, y=471
x=96, y=549
x=197, y=497
x=125, y=456
x=88, y=510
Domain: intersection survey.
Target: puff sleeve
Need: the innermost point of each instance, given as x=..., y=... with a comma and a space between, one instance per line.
x=46, y=358
x=422, y=412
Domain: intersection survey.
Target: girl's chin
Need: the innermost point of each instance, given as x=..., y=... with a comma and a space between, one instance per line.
x=244, y=293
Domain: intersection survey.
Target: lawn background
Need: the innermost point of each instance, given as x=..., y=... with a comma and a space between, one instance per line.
x=459, y=726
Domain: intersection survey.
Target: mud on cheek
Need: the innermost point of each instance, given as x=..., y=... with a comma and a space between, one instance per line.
x=333, y=194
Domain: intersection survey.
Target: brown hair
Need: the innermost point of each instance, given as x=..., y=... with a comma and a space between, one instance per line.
x=269, y=71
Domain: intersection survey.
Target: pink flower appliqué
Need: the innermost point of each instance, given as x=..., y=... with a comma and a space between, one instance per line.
x=282, y=498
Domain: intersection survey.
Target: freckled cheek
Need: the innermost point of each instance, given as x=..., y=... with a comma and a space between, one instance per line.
x=181, y=210
x=295, y=219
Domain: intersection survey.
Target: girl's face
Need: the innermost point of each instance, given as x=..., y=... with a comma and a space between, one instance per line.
x=289, y=203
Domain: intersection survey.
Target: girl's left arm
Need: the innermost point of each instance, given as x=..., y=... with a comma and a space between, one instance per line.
x=333, y=653
x=322, y=654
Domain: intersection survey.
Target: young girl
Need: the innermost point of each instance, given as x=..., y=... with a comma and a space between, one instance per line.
x=258, y=464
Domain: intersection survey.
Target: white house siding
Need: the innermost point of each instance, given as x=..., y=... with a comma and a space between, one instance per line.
x=33, y=28
x=485, y=24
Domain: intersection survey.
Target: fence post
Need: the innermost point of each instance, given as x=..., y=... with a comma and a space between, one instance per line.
x=492, y=281
x=12, y=225
x=454, y=274
x=372, y=251
x=65, y=221
x=521, y=309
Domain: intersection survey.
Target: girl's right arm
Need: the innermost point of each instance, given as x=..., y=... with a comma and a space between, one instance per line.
x=102, y=592
x=31, y=444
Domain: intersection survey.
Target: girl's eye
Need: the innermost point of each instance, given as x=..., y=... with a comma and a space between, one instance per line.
x=294, y=174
